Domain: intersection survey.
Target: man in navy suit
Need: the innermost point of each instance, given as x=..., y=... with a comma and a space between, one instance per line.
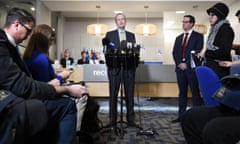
x=114, y=72
x=185, y=74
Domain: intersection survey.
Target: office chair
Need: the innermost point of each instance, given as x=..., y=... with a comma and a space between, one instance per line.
x=208, y=82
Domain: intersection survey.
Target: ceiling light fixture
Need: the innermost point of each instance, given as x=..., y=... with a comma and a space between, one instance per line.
x=32, y=8
x=97, y=29
x=180, y=12
x=146, y=29
x=116, y=12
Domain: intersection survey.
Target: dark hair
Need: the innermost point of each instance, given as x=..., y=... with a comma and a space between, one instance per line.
x=237, y=13
x=46, y=30
x=82, y=52
x=38, y=42
x=20, y=15
x=191, y=19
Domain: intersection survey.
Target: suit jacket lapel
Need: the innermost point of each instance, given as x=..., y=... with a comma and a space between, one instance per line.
x=17, y=59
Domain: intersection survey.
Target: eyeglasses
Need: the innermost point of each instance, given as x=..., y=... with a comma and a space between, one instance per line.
x=29, y=31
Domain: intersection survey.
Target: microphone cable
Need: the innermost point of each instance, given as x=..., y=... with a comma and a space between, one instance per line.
x=135, y=56
x=141, y=131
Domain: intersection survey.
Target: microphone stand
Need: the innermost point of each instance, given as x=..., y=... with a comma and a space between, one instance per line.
x=123, y=60
x=121, y=130
x=124, y=53
x=119, y=56
x=141, y=131
x=122, y=57
x=113, y=64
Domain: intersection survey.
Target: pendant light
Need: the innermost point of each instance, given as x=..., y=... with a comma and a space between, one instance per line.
x=97, y=29
x=146, y=29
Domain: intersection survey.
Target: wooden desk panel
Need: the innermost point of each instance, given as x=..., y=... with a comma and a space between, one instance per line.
x=76, y=76
x=141, y=89
x=156, y=89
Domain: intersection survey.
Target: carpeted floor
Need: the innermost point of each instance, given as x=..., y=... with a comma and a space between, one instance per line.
x=151, y=114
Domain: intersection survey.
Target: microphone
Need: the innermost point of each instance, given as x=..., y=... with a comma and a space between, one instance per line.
x=123, y=46
x=136, y=49
x=130, y=45
x=107, y=44
x=105, y=41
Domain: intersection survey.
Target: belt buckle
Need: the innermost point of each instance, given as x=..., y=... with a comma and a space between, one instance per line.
x=3, y=95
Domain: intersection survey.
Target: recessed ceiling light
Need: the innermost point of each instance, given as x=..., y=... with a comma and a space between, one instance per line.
x=180, y=12
x=116, y=12
x=32, y=8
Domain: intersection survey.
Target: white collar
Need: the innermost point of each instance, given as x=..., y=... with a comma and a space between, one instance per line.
x=11, y=39
x=121, y=30
x=189, y=32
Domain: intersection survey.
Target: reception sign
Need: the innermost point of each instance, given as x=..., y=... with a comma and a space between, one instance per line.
x=144, y=73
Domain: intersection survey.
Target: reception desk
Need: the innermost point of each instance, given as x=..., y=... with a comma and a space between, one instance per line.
x=155, y=80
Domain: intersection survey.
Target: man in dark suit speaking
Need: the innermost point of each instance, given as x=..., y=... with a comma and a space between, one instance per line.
x=186, y=43
x=117, y=37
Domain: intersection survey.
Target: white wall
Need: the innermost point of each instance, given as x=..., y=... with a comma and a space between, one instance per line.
x=234, y=21
x=43, y=15
x=71, y=33
x=3, y=13
x=76, y=39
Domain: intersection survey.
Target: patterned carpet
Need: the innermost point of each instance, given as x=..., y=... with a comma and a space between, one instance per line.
x=151, y=115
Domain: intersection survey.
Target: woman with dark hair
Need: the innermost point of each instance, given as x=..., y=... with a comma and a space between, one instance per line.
x=220, y=39
x=36, y=55
x=36, y=58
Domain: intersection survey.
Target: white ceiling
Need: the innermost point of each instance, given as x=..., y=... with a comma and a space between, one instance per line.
x=135, y=9
x=132, y=8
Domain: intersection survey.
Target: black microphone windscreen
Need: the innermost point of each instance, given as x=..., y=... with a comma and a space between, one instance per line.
x=123, y=44
x=105, y=41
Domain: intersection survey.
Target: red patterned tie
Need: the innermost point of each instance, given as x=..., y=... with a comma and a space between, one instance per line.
x=184, y=47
